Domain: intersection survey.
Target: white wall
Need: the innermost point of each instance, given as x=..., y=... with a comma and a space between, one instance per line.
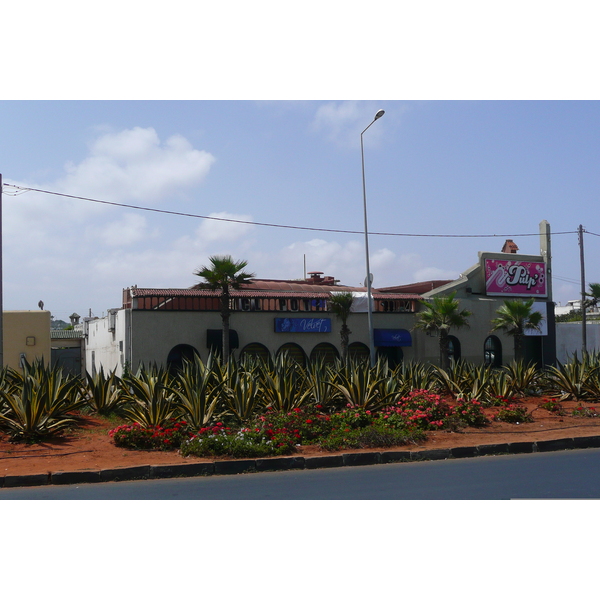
x=106, y=346
x=569, y=339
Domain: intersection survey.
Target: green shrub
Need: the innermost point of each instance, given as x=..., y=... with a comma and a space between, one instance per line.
x=375, y=435
x=513, y=413
x=241, y=444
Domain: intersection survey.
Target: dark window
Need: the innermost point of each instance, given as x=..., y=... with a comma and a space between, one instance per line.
x=179, y=354
x=453, y=348
x=492, y=351
x=326, y=352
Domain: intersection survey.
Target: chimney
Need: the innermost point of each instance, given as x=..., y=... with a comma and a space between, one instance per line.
x=510, y=247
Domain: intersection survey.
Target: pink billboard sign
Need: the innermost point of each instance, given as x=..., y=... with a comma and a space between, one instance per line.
x=515, y=278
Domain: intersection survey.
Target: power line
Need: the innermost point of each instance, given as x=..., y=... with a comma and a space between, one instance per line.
x=22, y=190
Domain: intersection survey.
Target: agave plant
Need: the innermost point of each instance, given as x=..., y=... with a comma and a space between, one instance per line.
x=285, y=386
x=524, y=378
x=500, y=386
x=572, y=381
x=360, y=388
x=319, y=376
x=416, y=376
x=104, y=393
x=244, y=398
x=149, y=400
x=196, y=392
x=41, y=404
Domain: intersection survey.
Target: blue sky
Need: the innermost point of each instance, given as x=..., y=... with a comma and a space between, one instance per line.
x=475, y=168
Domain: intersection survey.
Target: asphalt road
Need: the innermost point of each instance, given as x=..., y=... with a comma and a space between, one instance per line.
x=569, y=474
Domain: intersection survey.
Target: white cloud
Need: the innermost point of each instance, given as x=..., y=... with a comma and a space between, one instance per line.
x=133, y=165
x=52, y=241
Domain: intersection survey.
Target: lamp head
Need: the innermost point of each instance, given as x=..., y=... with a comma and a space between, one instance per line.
x=379, y=114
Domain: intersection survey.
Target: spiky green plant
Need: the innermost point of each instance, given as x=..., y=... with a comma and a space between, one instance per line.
x=149, y=400
x=40, y=403
x=415, y=376
x=523, y=378
x=360, y=387
x=196, y=392
x=500, y=386
x=285, y=385
x=571, y=381
x=319, y=376
x=104, y=393
x=244, y=398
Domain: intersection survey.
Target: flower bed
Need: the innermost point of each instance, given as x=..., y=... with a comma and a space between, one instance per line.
x=276, y=433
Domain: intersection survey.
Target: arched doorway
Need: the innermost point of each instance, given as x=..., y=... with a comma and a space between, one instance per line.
x=326, y=352
x=180, y=353
x=294, y=351
x=492, y=351
x=393, y=354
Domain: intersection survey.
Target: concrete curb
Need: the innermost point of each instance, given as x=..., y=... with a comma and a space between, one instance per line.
x=233, y=467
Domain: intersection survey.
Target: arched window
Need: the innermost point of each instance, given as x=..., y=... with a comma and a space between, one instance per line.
x=293, y=351
x=492, y=351
x=453, y=348
x=257, y=350
x=180, y=353
x=358, y=351
x=326, y=352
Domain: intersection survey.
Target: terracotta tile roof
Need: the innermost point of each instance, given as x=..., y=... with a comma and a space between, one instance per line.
x=302, y=291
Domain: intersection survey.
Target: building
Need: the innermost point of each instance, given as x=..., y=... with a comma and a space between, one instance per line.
x=484, y=287
x=26, y=337
x=164, y=326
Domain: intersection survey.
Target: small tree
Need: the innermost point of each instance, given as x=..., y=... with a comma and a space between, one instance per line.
x=515, y=317
x=224, y=274
x=340, y=305
x=440, y=315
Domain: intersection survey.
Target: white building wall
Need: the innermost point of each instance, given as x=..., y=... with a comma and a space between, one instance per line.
x=569, y=339
x=107, y=342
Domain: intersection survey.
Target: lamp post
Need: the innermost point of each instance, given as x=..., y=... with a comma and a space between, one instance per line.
x=378, y=115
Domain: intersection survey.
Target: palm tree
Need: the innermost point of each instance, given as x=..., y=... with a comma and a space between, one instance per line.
x=340, y=305
x=515, y=317
x=440, y=315
x=224, y=274
x=594, y=295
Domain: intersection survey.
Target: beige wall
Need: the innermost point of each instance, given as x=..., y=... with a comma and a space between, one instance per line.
x=26, y=332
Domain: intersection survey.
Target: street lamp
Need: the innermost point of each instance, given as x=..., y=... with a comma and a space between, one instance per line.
x=378, y=115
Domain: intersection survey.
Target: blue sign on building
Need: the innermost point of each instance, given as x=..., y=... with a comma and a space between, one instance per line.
x=392, y=337
x=303, y=325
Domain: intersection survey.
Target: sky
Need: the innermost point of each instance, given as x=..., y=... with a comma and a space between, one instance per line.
x=433, y=168
x=491, y=125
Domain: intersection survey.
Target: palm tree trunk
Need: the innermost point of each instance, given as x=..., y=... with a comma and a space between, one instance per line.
x=345, y=336
x=444, y=358
x=518, y=347
x=225, y=313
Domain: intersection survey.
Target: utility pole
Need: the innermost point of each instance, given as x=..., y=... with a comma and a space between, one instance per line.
x=583, y=316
